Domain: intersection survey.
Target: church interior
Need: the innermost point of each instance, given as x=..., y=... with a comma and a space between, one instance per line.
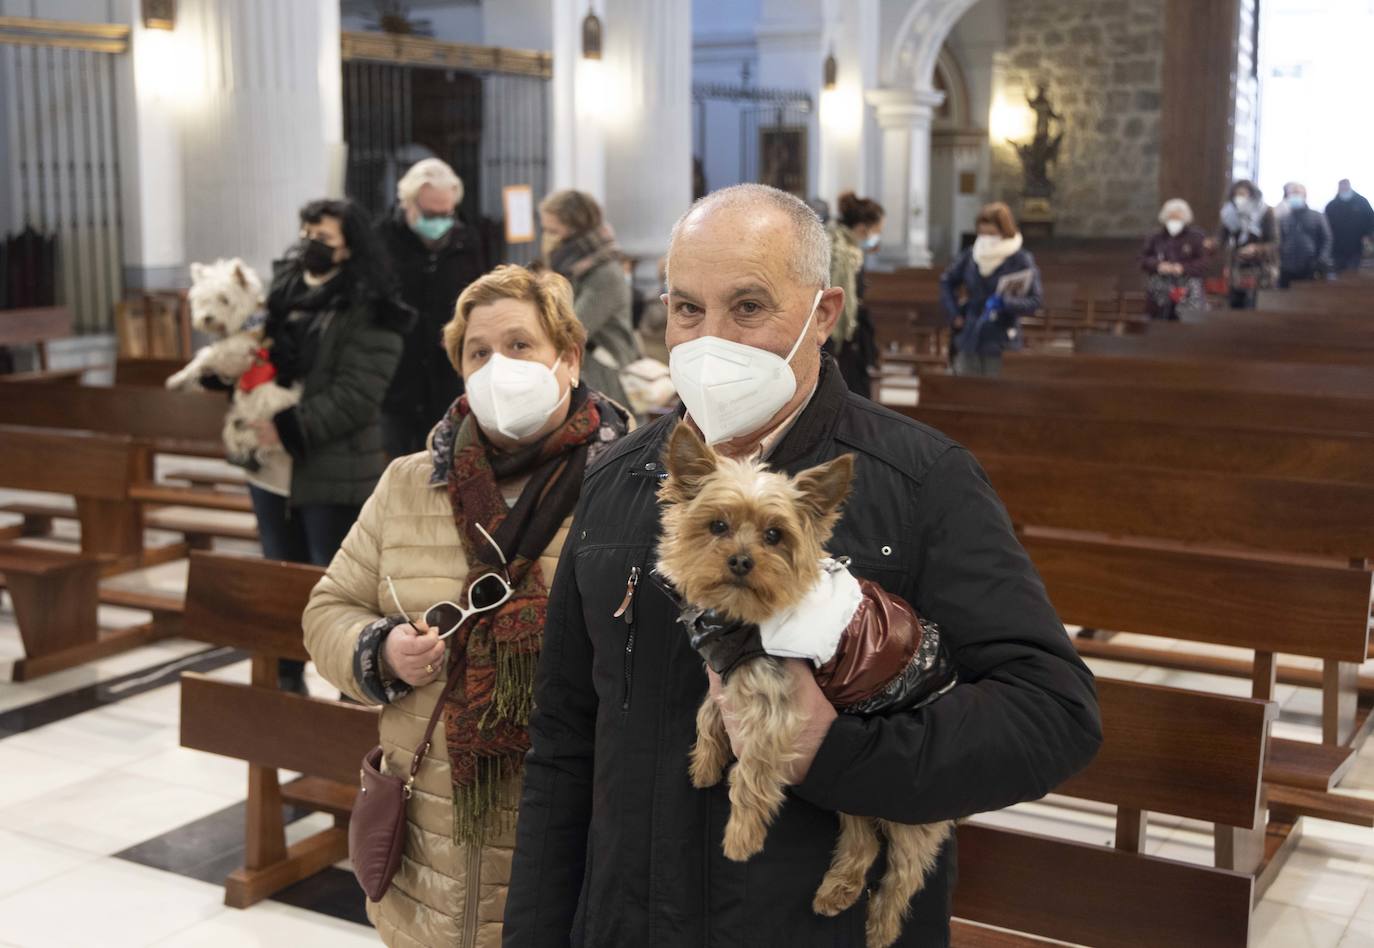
x=1116, y=249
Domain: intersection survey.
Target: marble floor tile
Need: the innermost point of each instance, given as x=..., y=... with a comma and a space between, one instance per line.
x=27, y=861
x=1358, y=934
x=1275, y=925
x=272, y=923
x=192, y=768
x=29, y=775
x=1324, y=876
x=107, y=903
x=111, y=811
x=104, y=738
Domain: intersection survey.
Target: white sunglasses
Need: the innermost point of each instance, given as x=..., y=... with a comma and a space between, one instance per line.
x=485, y=593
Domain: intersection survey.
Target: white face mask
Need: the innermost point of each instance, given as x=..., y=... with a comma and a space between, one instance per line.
x=1174, y=227
x=1242, y=202
x=731, y=389
x=514, y=397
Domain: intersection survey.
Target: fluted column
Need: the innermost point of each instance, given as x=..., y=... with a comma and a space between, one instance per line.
x=904, y=118
x=262, y=122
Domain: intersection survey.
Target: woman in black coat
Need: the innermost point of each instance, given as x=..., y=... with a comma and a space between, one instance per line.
x=333, y=326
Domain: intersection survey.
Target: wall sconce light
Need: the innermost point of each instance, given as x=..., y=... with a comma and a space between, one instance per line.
x=591, y=35
x=831, y=71
x=160, y=14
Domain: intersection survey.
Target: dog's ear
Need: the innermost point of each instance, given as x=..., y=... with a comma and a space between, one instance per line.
x=197, y=272
x=239, y=276
x=825, y=487
x=689, y=461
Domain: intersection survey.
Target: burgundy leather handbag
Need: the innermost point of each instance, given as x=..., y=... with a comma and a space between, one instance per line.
x=377, y=828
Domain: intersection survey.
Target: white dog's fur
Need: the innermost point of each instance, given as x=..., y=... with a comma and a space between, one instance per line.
x=224, y=295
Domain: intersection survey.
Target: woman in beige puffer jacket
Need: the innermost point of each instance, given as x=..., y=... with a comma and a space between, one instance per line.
x=446, y=892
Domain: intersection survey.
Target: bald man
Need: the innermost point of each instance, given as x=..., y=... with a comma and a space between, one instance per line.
x=614, y=846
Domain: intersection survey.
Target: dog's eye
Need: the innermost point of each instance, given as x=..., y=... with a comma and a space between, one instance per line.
x=719, y=527
x=772, y=536
x=224, y=300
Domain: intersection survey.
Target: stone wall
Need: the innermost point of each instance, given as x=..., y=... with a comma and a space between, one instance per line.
x=1101, y=62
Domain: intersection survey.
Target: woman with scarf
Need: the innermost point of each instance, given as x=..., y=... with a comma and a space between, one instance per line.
x=493, y=494
x=334, y=328
x=853, y=342
x=581, y=246
x=1175, y=260
x=1000, y=284
x=1249, y=237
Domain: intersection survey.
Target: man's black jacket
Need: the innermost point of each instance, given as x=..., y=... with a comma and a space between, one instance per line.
x=615, y=847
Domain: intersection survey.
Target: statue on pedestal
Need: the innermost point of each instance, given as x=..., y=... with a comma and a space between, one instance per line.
x=1037, y=154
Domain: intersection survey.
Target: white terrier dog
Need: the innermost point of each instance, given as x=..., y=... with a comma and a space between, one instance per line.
x=225, y=296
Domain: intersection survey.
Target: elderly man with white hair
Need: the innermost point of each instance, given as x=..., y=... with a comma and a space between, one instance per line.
x=434, y=256
x=614, y=845
x=1175, y=261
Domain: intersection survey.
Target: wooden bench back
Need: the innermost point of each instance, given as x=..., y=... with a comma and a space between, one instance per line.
x=145, y=372
x=249, y=603
x=1228, y=346
x=1180, y=406
x=172, y=421
x=23, y=327
x=1146, y=372
x=82, y=464
x=1156, y=756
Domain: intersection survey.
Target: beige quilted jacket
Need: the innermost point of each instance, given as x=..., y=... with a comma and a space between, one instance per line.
x=444, y=894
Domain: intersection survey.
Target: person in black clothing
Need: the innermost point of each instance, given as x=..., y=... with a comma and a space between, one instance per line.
x=1249, y=240
x=1352, y=220
x=613, y=845
x=1304, y=238
x=334, y=327
x=433, y=256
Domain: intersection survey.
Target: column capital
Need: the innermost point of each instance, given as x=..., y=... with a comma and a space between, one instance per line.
x=904, y=108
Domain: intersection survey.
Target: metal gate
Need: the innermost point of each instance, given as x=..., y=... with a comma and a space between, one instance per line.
x=60, y=154
x=483, y=110
x=774, y=130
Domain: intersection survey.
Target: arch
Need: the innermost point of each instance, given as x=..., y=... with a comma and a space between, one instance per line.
x=949, y=78
x=919, y=41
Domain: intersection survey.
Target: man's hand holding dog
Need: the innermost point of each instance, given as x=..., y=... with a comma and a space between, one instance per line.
x=811, y=702
x=413, y=655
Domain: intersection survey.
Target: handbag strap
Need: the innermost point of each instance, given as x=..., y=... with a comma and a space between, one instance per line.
x=429, y=731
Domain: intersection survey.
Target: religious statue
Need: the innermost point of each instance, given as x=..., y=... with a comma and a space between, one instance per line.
x=1037, y=154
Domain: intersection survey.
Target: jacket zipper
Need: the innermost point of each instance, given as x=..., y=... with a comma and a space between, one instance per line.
x=474, y=891
x=627, y=612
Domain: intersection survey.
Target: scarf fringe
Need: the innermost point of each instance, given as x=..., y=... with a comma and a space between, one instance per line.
x=483, y=804
x=512, y=696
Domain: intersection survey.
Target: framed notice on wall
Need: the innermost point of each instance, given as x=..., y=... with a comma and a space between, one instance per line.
x=518, y=200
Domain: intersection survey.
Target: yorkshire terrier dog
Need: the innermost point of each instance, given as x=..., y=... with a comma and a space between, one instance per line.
x=741, y=546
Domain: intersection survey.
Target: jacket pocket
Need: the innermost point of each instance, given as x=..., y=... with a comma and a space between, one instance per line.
x=627, y=611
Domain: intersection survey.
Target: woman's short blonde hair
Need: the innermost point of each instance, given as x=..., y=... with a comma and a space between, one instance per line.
x=550, y=293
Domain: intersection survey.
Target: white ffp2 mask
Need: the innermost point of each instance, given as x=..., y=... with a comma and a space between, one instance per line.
x=1174, y=226
x=514, y=397
x=731, y=389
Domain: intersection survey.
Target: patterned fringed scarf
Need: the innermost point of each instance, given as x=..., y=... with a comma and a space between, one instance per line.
x=487, y=717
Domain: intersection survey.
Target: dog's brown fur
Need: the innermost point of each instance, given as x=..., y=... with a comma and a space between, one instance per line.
x=704, y=491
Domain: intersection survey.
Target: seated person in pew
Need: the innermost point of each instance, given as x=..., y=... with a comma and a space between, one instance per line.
x=439, y=592
x=1175, y=260
x=1000, y=284
x=854, y=344
x=1249, y=239
x=333, y=324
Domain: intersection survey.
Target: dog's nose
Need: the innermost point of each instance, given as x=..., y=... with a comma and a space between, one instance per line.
x=741, y=564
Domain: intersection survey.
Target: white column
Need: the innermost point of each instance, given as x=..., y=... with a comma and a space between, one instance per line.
x=904, y=118
x=261, y=122
x=579, y=148
x=852, y=33
x=647, y=120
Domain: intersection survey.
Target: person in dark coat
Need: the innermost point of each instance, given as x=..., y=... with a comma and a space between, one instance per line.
x=1175, y=261
x=1352, y=221
x=1304, y=238
x=433, y=257
x=854, y=343
x=614, y=847
x=1000, y=284
x=1249, y=238
x=334, y=326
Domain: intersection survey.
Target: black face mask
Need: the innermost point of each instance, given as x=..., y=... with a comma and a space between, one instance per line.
x=317, y=257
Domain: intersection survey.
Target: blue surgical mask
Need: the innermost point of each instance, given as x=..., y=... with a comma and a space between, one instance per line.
x=871, y=241
x=1297, y=202
x=432, y=228
x=1345, y=195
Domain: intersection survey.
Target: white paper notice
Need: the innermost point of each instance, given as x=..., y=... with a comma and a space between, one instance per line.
x=519, y=204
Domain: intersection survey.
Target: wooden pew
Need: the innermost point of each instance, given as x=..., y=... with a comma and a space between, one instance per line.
x=55, y=592
x=36, y=327
x=1209, y=407
x=1140, y=371
x=1181, y=340
x=256, y=605
x=1166, y=751
x=146, y=372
